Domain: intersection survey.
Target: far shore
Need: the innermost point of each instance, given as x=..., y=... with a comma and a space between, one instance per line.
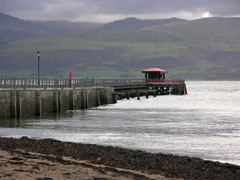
x=48, y=159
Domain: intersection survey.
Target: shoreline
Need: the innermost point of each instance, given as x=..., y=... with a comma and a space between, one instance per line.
x=137, y=164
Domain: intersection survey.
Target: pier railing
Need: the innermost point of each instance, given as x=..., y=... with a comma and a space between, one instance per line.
x=25, y=82
x=28, y=82
x=119, y=82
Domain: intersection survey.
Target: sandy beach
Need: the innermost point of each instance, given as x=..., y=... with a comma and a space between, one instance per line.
x=49, y=159
x=23, y=165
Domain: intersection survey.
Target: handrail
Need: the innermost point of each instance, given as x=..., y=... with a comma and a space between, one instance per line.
x=29, y=82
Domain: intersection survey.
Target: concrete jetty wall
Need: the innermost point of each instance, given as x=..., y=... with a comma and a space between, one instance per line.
x=31, y=102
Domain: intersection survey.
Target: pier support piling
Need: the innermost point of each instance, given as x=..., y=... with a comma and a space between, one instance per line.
x=71, y=100
x=38, y=103
x=60, y=102
x=154, y=93
x=138, y=96
x=13, y=105
x=98, y=100
x=55, y=101
x=19, y=104
x=127, y=95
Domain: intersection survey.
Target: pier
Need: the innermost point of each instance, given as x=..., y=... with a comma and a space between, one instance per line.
x=21, y=97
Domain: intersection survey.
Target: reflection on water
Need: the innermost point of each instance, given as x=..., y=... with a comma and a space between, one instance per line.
x=204, y=123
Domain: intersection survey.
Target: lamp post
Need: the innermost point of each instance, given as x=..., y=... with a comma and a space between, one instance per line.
x=38, y=55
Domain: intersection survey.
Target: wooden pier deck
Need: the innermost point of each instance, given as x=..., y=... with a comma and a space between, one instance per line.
x=167, y=87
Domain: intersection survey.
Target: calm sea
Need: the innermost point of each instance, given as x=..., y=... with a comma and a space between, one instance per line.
x=205, y=123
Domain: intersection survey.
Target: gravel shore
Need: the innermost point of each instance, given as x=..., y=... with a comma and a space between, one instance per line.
x=27, y=158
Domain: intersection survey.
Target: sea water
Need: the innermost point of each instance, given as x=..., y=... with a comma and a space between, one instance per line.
x=204, y=123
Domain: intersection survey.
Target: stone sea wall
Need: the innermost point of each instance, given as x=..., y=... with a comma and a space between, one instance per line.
x=31, y=102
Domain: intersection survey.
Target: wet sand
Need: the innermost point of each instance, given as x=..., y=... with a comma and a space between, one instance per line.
x=48, y=159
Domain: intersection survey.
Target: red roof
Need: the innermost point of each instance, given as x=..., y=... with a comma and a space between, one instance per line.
x=154, y=70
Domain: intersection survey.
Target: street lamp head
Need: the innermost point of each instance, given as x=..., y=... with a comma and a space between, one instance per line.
x=38, y=53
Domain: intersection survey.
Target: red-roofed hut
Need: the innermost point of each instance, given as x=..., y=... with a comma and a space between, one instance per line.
x=154, y=74
x=155, y=79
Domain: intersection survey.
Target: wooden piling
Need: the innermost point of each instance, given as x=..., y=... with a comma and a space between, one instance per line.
x=83, y=99
x=13, y=105
x=87, y=98
x=127, y=95
x=85, y=102
x=161, y=91
x=106, y=94
x=185, y=89
x=55, y=101
x=154, y=93
x=98, y=100
x=138, y=97
x=38, y=103
x=60, y=103
x=71, y=100
x=19, y=104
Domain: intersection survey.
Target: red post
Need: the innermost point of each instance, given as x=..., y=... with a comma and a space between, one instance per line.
x=70, y=78
x=70, y=75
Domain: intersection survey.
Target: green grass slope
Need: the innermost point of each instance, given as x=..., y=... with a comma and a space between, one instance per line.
x=210, y=29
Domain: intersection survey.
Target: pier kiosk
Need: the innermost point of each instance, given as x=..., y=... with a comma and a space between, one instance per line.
x=156, y=79
x=154, y=74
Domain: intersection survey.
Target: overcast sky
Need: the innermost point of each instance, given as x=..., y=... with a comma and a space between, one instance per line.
x=110, y=10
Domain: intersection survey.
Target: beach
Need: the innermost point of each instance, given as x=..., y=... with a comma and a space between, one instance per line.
x=27, y=158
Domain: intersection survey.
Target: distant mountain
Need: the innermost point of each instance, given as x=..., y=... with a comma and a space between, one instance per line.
x=134, y=23
x=69, y=28
x=12, y=28
x=206, y=48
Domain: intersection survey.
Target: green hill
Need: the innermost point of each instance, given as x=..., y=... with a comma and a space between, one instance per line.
x=198, y=49
x=208, y=29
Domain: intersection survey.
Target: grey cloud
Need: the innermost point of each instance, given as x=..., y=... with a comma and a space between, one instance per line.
x=140, y=6
x=107, y=10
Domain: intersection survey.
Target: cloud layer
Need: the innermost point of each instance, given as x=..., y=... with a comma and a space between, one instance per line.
x=110, y=10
